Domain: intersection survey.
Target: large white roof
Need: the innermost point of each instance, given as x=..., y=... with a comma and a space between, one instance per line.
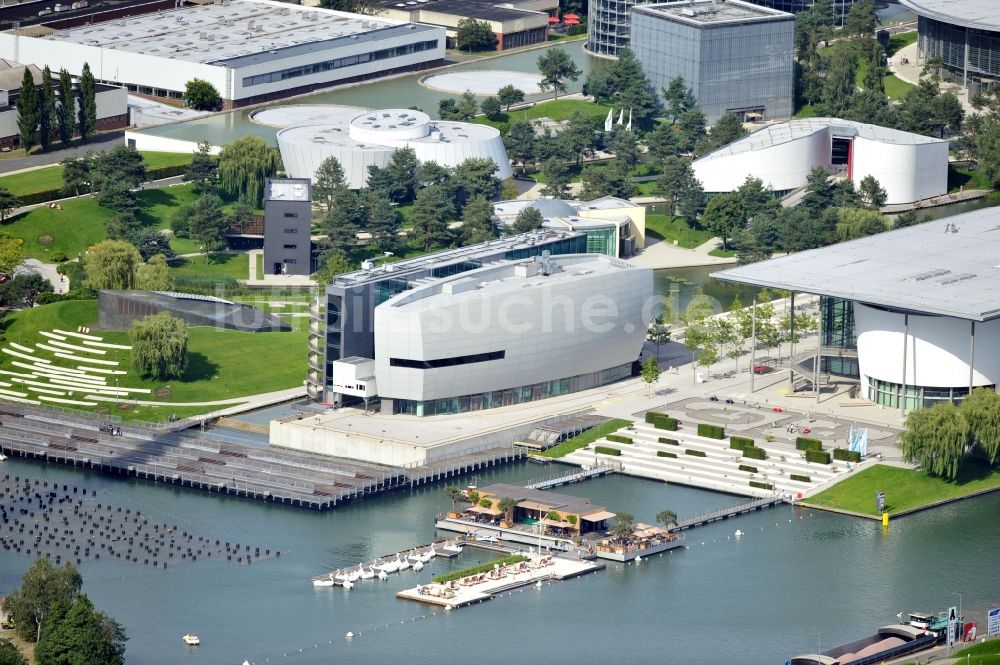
x=389, y=128
x=982, y=14
x=793, y=130
x=949, y=267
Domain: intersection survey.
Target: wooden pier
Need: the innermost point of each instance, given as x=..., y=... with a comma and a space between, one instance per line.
x=565, y=478
x=726, y=513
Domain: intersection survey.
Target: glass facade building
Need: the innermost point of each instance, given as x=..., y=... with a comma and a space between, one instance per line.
x=972, y=54
x=888, y=394
x=737, y=57
x=837, y=316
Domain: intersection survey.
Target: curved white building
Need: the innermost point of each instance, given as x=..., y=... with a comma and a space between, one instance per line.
x=923, y=304
x=910, y=167
x=511, y=333
x=372, y=136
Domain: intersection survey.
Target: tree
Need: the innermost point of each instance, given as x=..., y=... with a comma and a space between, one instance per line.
x=11, y=253
x=876, y=71
x=244, y=164
x=473, y=35
x=159, y=346
x=402, y=169
x=557, y=176
x=625, y=149
x=577, y=138
x=66, y=113
x=115, y=195
x=861, y=19
x=42, y=588
x=663, y=142
x=987, y=147
x=839, y=85
x=625, y=84
x=123, y=226
x=28, y=111
x=477, y=221
x=23, y=290
x=981, y=410
x=756, y=199
x=467, y=107
x=690, y=129
x=154, y=275
x=9, y=655
x=678, y=98
x=819, y=193
x=491, y=108
x=347, y=216
x=75, y=175
x=83, y=637
x=909, y=218
x=430, y=216
x=383, y=225
x=202, y=95
x=596, y=182
x=659, y=332
x=858, y=222
x=208, y=226
x=624, y=527
x=936, y=438
x=239, y=218
x=529, y=219
x=111, y=264
x=724, y=217
x=335, y=263
x=203, y=170
x=448, y=109
x=666, y=518
x=150, y=242
x=87, y=113
x=47, y=110
x=650, y=373
x=123, y=166
x=872, y=193
x=8, y=203
x=698, y=338
x=509, y=95
x=726, y=129
x=520, y=143
x=353, y=6
x=506, y=506
x=725, y=331
x=327, y=181
x=677, y=183
x=452, y=493
x=475, y=176
x=556, y=68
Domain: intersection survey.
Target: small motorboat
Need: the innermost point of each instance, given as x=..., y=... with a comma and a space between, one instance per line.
x=191, y=640
x=324, y=581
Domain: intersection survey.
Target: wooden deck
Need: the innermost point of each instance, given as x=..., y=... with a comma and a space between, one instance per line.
x=726, y=513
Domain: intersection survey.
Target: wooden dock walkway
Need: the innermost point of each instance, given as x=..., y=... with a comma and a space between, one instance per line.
x=565, y=478
x=726, y=513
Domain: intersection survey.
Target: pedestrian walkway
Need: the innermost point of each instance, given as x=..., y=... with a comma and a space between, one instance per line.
x=660, y=254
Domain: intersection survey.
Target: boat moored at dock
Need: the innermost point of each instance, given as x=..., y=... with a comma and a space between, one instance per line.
x=889, y=642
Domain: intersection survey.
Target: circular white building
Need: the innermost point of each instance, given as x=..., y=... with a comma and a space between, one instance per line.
x=372, y=136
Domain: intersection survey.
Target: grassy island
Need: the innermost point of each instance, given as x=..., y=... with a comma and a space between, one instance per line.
x=480, y=568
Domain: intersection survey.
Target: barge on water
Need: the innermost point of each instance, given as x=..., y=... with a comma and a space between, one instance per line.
x=889, y=642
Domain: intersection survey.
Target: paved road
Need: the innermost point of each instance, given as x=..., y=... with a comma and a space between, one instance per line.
x=48, y=270
x=98, y=143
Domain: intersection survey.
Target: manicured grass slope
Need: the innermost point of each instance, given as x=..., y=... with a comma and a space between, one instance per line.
x=676, y=228
x=905, y=489
x=556, y=109
x=585, y=439
x=218, y=366
x=50, y=177
x=236, y=266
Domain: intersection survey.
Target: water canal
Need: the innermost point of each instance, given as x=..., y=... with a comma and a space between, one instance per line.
x=796, y=577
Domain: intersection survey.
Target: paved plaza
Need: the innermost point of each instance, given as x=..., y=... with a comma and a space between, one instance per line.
x=482, y=82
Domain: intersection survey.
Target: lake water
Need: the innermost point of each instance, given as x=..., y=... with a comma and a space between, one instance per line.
x=760, y=599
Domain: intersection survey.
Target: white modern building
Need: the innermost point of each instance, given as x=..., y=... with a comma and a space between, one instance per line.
x=910, y=167
x=370, y=138
x=252, y=51
x=919, y=307
x=511, y=333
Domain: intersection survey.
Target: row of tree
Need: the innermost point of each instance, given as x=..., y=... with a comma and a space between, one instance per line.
x=42, y=118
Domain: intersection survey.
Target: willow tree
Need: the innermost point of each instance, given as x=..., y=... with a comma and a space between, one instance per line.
x=243, y=166
x=159, y=346
x=982, y=411
x=112, y=265
x=936, y=438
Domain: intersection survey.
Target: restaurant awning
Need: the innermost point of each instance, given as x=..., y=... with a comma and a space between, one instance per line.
x=599, y=516
x=535, y=505
x=553, y=19
x=571, y=21
x=547, y=522
x=484, y=511
x=571, y=15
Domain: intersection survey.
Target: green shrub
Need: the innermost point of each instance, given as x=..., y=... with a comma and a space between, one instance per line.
x=669, y=442
x=753, y=452
x=800, y=478
x=666, y=453
x=740, y=442
x=803, y=443
x=763, y=486
x=711, y=431
x=58, y=257
x=694, y=453
x=747, y=467
x=818, y=456
x=604, y=450
x=618, y=438
x=845, y=455
x=651, y=416
x=575, y=30
x=665, y=422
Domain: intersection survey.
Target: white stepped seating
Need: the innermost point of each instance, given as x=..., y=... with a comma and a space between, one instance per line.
x=74, y=347
x=106, y=345
x=101, y=370
x=79, y=359
x=25, y=356
x=52, y=335
x=76, y=334
x=71, y=402
x=21, y=347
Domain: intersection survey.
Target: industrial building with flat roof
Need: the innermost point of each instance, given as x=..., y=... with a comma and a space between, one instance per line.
x=965, y=34
x=736, y=57
x=251, y=50
x=918, y=307
x=910, y=167
x=516, y=23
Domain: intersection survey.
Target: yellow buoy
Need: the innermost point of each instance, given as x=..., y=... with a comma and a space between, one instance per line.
x=885, y=519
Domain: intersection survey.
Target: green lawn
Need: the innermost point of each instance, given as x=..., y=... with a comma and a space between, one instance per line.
x=236, y=266
x=217, y=369
x=585, y=439
x=905, y=489
x=50, y=177
x=722, y=253
x=807, y=111
x=556, y=109
x=966, y=177
x=895, y=88
x=900, y=41
x=676, y=228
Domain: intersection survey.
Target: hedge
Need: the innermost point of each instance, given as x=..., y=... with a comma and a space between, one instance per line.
x=694, y=453
x=651, y=416
x=740, y=442
x=481, y=568
x=618, y=438
x=604, y=450
x=763, y=486
x=666, y=453
x=747, y=467
x=665, y=422
x=818, y=456
x=803, y=443
x=800, y=478
x=669, y=442
x=753, y=452
x=845, y=455
x=711, y=431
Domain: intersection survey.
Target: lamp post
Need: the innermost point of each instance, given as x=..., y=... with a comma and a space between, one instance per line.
x=961, y=621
